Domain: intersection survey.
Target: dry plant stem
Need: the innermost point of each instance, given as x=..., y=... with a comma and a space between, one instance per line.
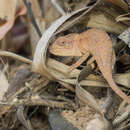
x=68, y=86
x=57, y=6
x=60, y=71
x=15, y=56
x=20, y=114
x=84, y=95
x=107, y=103
x=37, y=100
x=5, y=109
x=19, y=78
x=28, y=6
x=125, y=127
x=42, y=86
x=11, y=95
x=122, y=17
x=120, y=119
x=34, y=100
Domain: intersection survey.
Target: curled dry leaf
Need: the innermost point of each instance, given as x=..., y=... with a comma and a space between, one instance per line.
x=9, y=24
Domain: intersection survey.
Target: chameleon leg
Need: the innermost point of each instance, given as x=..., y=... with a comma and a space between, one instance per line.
x=91, y=62
x=79, y=62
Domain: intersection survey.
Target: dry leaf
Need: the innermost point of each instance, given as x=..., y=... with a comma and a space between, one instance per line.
x=7, y=9
x=9, y=24
x=105, y=21
x=120, y=3
x=5, y=28
x=98, y=123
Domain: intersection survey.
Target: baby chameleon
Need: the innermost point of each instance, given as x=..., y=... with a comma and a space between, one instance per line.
x=95, y=42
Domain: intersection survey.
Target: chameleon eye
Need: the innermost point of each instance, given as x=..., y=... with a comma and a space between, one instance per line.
x=62, y=43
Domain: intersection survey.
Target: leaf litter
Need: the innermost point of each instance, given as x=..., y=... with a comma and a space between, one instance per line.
x=50, y=85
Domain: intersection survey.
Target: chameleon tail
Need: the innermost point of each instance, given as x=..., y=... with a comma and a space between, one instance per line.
x=117, y=89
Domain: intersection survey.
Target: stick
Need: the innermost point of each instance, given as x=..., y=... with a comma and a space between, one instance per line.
x=29, y=9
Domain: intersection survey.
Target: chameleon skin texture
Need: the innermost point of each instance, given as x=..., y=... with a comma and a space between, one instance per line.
x=95, y=42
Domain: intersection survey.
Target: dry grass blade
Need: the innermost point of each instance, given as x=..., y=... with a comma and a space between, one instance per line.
x=57, y=6
x=124, y=17
x=123, y=117
x=15, y=56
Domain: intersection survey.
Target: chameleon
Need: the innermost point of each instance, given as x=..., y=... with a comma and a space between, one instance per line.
x=95, y=42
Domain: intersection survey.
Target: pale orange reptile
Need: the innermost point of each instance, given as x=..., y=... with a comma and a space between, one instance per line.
x=95, y=42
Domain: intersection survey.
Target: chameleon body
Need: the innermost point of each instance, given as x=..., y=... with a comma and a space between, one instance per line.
x=95, y=42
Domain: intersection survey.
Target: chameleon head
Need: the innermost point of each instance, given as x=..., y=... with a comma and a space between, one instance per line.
x=65, y=46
